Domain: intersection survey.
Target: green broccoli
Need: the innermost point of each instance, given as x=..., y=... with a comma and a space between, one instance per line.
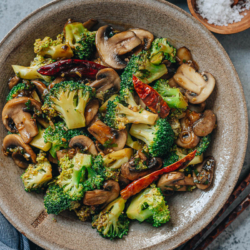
x=112, y=222
x=202, y=145
x=30, y=72
x=80, y=40
x=17, y=89
x=159, y=137
x=177, y=154
x=72, y=177
x=84, y=213
x=59, y=136
x=150, y=206
x=56, y=200
x=68, y=100
x=140, y=66
x=117, y=115
x=52, y=48
x=172, y=96
x=162, y=50
x=36, y=176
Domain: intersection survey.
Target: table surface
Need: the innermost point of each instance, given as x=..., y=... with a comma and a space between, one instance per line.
x=237, y=235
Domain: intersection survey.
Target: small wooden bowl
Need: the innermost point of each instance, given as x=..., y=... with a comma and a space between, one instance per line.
x=230, y=29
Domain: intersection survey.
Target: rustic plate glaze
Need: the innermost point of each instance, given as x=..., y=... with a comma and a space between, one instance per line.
x=190, y=211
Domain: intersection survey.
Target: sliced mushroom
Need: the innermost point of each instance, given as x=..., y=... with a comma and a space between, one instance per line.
x=16, y=111
x=183, y=55
x=84, y=143
x=57, y=80
x=198, y=86
x=111, y=49
x=129, y=172
x=146, y=38
x=198, y=108
x=107, y=136
x=13, y=81
x=111, y=191
x=105, y=80
x=166, y=182
x=91, y=111
x=22, y=153
x=90, y=23
x=187, y=138
x=41, y=87
x=206, y=124
x=203, y=175
x=123, y=182
x=71, y=152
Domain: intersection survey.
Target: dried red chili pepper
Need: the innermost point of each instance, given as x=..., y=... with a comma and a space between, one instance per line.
x=142, y=183
x=151, y=98
x=71, y=68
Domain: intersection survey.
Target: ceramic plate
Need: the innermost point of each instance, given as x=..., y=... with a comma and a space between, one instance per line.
x=190, y=212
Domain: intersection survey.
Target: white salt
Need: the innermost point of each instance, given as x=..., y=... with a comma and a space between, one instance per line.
x=221, y=12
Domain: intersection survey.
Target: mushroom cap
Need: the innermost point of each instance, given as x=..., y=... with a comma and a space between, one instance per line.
x=90, y=23
x=206, y=124
x=198, y=86
x=110, y=49
x=13, y=141
x=41, y=87
x=167, y=180
x=105, y=79
x=13, y=81
x=104, y=133
x=57, y=80
x=128, y=173
x=102, y=197
x=91, y=111
x=14, y=110
x=206, y=173
x=83, y=142
x=146, y=38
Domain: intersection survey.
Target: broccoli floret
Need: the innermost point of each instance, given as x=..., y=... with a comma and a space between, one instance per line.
x=84, y=213
x=117, y=115
x=150, y=206
x=172, y=96
x=17, y=89
x=71, y=179
x=202, y=145
x=140, y=66
x=52, y=48
x=56, y=200
x=68, y=100
x=177, y=154
x=30, y=72
x=162, y=50
x=80, y=39
x=36, y=176
x=159, y=137
x=112, y=222
x=59, y=136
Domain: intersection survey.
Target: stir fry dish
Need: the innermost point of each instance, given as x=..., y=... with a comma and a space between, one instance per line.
x=108, y=124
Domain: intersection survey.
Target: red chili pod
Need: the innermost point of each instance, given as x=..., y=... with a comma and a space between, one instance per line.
x=151, y=98
x=137, y=186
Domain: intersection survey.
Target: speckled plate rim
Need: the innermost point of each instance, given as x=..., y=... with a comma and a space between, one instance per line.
x=39, y=240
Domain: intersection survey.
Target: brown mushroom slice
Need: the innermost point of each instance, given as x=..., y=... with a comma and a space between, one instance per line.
x=187, y=139
x=13, y=144
x=111, y=49
x=90, y=23
x=57, y=80
x=198, y=86
x=71, y=152
x=183, y=55
x=146, y=38
x=166, y=182
x=107, y=136
x=110, y=192
x=15, y=111
x=198, y=108
x=206, y=124
x=106, y=79
x=204, y=172
x=131, y=173
x=13, y=81
x=41, y=87
x=91, y=111
x=84, y=143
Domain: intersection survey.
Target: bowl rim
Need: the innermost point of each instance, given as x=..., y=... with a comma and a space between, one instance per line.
x=38, y=239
